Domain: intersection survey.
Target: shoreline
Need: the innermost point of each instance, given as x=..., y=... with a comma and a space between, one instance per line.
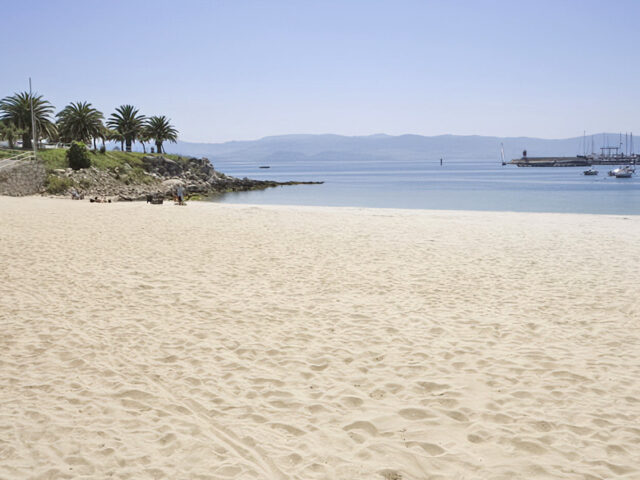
x=282, y=206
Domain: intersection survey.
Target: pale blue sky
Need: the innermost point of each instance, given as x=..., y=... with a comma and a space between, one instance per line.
x=231, y=70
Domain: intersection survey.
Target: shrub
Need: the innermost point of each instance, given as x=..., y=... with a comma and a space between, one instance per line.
x=78, y=156
x=57, y=185
x=103, y=149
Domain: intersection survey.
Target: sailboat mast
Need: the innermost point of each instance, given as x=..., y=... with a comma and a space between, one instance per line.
x=620, y=141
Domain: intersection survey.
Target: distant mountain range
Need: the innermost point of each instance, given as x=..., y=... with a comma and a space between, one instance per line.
x=324, y=148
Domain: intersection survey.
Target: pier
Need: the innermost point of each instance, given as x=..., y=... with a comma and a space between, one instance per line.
x=609, y=155
x=550, y=162
x=574, y=161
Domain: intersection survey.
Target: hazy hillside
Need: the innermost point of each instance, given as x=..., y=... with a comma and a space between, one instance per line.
x=403, y=147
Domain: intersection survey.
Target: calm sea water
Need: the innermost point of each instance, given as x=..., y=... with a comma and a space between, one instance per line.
x=458, y=185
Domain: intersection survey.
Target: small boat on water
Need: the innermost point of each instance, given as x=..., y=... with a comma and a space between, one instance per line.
x=264, y=166
x=591, y=171
x=624, y=172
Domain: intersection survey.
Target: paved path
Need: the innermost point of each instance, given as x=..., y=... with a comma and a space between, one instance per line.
x=11, y=161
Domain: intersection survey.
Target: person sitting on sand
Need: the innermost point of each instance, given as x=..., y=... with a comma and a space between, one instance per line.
x=180, y=193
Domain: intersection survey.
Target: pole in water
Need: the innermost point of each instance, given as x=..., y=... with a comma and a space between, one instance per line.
x=33, y=121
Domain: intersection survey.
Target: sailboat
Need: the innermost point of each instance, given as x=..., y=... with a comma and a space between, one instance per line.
x=502, y=154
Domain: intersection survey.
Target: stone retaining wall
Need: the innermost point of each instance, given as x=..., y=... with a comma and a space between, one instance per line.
x=23, y=178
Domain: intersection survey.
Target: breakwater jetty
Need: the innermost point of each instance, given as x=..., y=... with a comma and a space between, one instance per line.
x=577, y=161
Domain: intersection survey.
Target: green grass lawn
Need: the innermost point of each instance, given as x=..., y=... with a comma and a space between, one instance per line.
x=110, y=160
x=113, y=161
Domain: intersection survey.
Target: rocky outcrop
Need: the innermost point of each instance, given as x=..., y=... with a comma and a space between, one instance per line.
x=190, y=168
x=92, y=182
x=22, y=178
x=161, y=176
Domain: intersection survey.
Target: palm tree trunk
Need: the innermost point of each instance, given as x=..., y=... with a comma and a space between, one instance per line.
x=122, y=145
x=143, y=147
x=94, y=143
x=26, y=140
x=128, y=144
x=158, y=146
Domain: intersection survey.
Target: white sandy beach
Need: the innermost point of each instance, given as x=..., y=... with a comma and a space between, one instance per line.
x=238, y=342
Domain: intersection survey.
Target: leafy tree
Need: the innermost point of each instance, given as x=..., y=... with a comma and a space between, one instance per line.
x=9, y=132
x=128, y=123
x=16, y=109
x=81, y=122
x=160, y=130
x=78, y=156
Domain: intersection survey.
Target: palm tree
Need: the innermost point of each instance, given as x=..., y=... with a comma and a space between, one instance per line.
x=81, y=122
x=9, y=132
x=144, y=137
x=16, y=109
x=105, y=134
x=161, y=131
x=113, y=136
x=128, y=123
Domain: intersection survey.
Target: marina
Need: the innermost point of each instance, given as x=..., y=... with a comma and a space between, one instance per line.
x=622, y=154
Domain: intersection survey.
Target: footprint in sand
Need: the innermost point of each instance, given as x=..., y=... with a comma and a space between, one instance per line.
x=277, y=393
x=431, y=448
x=378, y=394
x=318, y=368
x=542, y=426
x=365, y=426
x=415, y=413
x=356, y=437
x=316, y=408
x=430, y=387
x=529, y=446
x=270, y=381
x=394, y=387
x=391, y=475
x=290, y=429
x=168, y=359
x=352, y=402
x=292, y=459
x=456, y=415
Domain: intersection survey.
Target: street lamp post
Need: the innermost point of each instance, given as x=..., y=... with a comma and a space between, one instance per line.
x=33, y=122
